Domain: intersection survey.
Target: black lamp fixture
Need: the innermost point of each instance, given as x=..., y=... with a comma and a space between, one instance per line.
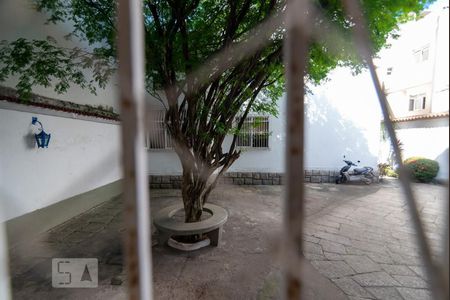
x=42, y=138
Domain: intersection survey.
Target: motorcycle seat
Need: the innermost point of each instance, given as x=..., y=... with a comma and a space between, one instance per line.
x=360, y=170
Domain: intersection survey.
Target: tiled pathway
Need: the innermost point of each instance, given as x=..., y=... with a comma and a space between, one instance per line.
x=358, y=240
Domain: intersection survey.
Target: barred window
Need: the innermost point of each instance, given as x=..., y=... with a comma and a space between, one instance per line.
x=157, y=135
x=254, y=133
x=422, y=54
x=417, y=102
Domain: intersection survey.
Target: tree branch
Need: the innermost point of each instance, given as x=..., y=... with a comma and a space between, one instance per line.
x=155, y=15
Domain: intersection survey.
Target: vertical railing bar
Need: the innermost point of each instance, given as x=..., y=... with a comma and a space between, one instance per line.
x=135, y=187
x=295, y=54
x=445, y=246
x=164, y=134
x=363, y=46
x=5, y=280
x=164, y=137
x=252, y=130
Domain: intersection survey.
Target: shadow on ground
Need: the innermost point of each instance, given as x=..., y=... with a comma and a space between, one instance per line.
x=349, y=236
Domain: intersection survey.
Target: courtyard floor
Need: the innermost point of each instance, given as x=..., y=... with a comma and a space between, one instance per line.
x=359, y=244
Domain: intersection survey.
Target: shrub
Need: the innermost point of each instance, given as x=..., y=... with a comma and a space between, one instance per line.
x=422, y=169
x=391, y=173
x=386, y=170
x=383, y=168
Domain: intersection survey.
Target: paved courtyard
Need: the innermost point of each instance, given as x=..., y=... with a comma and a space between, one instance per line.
x=359, y=244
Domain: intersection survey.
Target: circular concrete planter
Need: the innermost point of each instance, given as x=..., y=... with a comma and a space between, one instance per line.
x=188, y=247
x=168, y=226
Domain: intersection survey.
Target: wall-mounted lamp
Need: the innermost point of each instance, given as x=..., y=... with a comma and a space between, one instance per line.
x=42, y=138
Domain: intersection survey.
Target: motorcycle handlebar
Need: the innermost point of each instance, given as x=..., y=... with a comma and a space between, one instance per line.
x=348, y=162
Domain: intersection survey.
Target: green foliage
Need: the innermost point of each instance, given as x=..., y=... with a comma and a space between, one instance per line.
x=200, y=28
x=94, y=21
x=391, y=173
x=42, y=62
x=386, y=170
x=382, y=168
x=422, y=169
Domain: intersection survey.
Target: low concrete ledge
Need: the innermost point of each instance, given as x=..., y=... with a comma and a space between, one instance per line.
x=246, y=178
x=212, y=226
x=26, y=227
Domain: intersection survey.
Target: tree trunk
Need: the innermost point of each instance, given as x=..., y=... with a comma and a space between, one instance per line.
x=193, y=208
x=194, y=190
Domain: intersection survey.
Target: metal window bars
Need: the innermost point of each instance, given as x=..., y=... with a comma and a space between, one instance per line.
x=421, y=54
x=254, y=133
x=156, y=133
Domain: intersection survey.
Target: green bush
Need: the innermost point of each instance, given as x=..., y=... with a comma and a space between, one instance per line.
x=391, y=173
x=422, y=169
x=386, y=170
x=383, y=168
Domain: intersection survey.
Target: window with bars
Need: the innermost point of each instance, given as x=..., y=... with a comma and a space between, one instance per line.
x=157, y=136
x=422, y=54
x=417, y=102
x=254, y=133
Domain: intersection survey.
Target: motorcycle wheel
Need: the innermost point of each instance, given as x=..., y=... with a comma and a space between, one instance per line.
x=367, y=180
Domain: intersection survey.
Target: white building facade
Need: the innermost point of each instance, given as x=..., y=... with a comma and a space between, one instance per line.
x=81, y=168
x=415, y=74
x=342, y=118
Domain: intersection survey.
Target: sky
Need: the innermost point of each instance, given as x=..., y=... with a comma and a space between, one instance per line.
x=438, y=4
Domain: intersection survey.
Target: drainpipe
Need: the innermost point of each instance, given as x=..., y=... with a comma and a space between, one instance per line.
x=433, y=75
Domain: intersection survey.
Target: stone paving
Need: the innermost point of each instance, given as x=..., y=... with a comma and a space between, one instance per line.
x=367, y=246
x=358, y=241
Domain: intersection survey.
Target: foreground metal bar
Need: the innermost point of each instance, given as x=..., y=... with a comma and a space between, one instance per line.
x=444, y=258
x=296, y=53
x=438, y=286
x=5, y=287
x=135, y=185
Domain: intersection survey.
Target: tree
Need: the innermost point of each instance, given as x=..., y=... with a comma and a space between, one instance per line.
x=180, y=37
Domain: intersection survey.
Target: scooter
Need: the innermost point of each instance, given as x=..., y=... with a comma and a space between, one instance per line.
x=364, y=174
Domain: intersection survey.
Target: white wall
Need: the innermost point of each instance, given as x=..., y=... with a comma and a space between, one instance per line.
x=343, y=119
x=441, y=68
x=409, y=77
x=163, y=162
x=81, y=156
x=426, y=138
x=18, y=19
